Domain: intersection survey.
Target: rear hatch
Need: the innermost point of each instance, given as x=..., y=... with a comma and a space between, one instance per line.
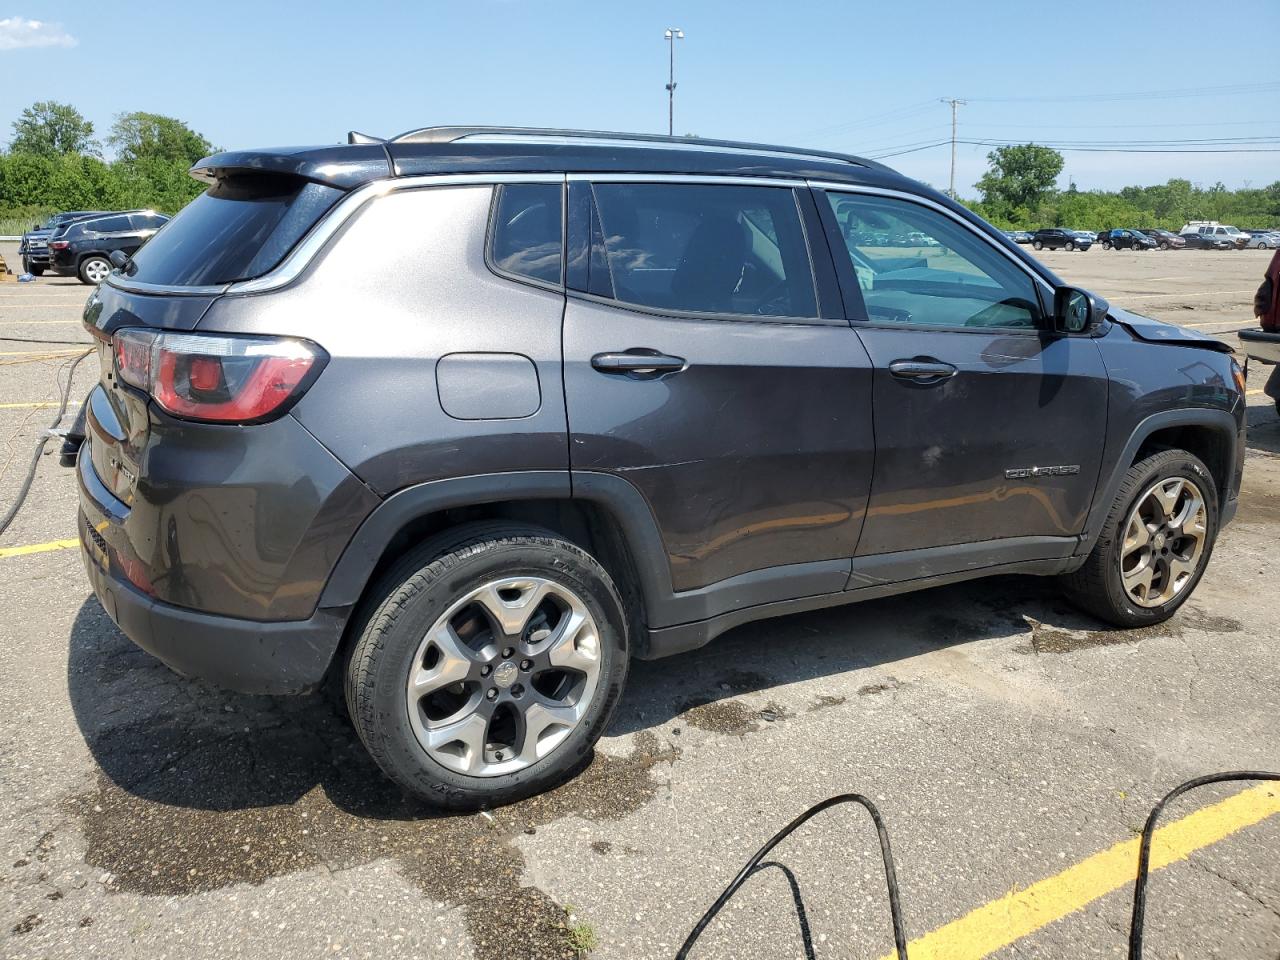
x=241, y=228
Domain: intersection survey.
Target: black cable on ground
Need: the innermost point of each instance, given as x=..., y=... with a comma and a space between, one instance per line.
x=895, y=906
x=1144, y=851
x=39, y=451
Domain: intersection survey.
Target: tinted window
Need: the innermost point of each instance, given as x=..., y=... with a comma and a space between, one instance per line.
x=147, y=221
x=961, y=282
x=240, y=228
x=527, y=237
x=108, y=224
x=706, y=248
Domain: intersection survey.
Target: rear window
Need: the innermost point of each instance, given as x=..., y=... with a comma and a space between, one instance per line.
x=238, y=229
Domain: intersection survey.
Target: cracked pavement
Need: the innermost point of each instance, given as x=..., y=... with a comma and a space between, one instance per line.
x=1003, y=735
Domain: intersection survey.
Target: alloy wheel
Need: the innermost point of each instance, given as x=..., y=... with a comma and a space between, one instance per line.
x=504, y=676
x=1164, y=541
x=97, y=270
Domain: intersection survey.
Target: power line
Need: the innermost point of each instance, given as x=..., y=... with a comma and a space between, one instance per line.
x=1238, y=89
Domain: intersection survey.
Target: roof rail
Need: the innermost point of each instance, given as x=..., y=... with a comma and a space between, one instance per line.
x=448, y=134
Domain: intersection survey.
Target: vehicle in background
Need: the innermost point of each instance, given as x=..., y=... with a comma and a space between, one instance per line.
x=1122, y=238
x=83, y=249
x=1058, y=238
x=1207, y=241
x=1263, y=241
x=535, y=452
x=917, y=239
x=1166, y=239
x=1237, y=237
x=1018, y=236
x=33, y=248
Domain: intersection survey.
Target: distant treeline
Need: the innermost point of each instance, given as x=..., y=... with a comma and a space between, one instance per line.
x=53, y=162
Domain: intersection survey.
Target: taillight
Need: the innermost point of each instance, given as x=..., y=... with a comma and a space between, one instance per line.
x=217, y=378
x=59, y=244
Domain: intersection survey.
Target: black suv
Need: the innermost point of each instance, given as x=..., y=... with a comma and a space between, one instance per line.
x=605, y=396
x=1121, y=239
x=33, y=248
x=1057, y=237
x=83, y=248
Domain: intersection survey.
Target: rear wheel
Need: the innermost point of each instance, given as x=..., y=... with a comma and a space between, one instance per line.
x=490, y=662
x=94, y=270
x=1153, y=546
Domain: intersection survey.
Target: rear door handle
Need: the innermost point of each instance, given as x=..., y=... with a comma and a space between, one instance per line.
x=638, y=363
x=922, y=370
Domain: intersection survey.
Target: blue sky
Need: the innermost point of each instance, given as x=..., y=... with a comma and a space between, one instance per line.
x=862, y=77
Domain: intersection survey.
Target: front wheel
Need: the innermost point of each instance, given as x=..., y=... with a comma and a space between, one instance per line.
x=93, y=270
x=1164, y=244
x=488, y=666
x=1070, y=246
x=1154, y=545
x=1037, y=245
x=1107, y=246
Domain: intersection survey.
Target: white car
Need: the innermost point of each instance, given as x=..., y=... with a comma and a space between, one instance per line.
x=1264, y=241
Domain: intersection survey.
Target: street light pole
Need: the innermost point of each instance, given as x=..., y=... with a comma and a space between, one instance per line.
x=672, y=35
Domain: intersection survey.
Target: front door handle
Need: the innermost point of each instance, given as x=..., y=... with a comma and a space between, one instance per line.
x=922, y=370
x=638, y=363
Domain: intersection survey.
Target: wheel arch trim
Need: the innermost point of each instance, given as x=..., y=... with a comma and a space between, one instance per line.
x=1220, y=421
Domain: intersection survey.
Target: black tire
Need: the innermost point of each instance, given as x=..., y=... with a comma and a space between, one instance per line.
x=37, y=271
x=1107, y=246
x=1164, y=244
x=1037, y=244
x=1096, y=586
x=408, y=601
x=91, y=263
x=1070, y=246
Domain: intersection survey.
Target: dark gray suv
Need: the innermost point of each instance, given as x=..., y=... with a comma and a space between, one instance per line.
x=467, y=418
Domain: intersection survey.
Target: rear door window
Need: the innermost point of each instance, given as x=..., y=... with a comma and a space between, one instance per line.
x=526, y=236
x=238, y=229
x=108, y=225
x=709, y=249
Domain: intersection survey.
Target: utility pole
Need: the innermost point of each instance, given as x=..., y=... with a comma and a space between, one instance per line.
x=672, y=35
x=954, y=104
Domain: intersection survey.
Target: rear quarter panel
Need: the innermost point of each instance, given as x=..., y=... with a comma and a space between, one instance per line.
x=402, y=286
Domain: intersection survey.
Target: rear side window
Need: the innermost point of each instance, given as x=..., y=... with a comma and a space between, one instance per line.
x=526, y=236
x=238, y=229
x=108, y=225
x=706, y=248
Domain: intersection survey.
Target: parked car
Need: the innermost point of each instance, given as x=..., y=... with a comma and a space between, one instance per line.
x=1123, y=239
x=1056, y=237
x=83, y=248
x=1207, y=241
x=1265, y=241
x=33, y=248
x=1019, y=236
x=1166, y=239
x=552, y=442
x=1238, y=238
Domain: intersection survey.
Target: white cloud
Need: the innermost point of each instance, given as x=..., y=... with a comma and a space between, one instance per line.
x=19, y=32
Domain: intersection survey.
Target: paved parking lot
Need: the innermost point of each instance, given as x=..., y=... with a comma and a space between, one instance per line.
x=1013, y=745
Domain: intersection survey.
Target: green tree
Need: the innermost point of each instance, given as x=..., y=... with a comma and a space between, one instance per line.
x=1019, y=176
x=52, y=129
x=139, y=136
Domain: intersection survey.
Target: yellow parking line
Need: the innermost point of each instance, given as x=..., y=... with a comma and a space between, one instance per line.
x=37, y=405
x=1020, y=913
x=38, y=548
x=42, y=353
x=35, y=323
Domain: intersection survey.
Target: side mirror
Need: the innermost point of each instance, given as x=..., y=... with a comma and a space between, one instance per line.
x=1077, y=311
x=35, y=226
x=118, y=258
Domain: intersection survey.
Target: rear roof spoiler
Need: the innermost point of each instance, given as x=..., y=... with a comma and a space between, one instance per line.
x=334, y=165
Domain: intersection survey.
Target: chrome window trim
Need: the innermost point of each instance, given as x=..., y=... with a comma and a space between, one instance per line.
x=697, y=178
x=1044, y=285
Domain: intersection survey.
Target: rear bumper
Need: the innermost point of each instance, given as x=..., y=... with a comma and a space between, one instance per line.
x=249, y=656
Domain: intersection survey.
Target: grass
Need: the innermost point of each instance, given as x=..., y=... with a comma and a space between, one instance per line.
x=580, y=935
x=16, y=226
